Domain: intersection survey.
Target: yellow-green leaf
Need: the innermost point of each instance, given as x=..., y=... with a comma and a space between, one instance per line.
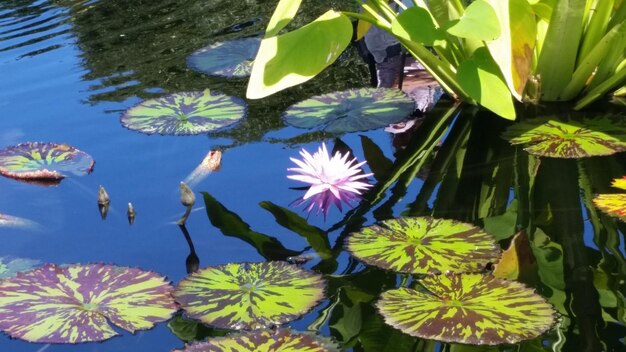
x=284, y=13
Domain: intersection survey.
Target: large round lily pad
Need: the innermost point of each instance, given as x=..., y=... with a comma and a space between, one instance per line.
x=44, y=161
x=422, y=245
x=468, y=308
x=613, y=204
x=10, y=266
x=265, y=341
x=71, y=304
x=351, y=110
x=231, y=58
x=249, y=295
x=570, y=139
x=185, y=113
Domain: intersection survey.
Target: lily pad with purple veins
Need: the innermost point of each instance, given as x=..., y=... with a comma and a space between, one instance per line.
x=421, y=245
x=613, y=204
x=231, y=58
x=185, y=113
x=468, y=308
x=10, y=266
x=351, y=110
x=580, y=138
x=77, y=303
x=249, y=295
x=264, y=341
x=39, y=161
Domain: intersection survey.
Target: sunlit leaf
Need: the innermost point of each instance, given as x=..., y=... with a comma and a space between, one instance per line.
x=185, y=113
x=228, y=59
x=602, y=135
x=249, y=295
x=613, y=204
x=44, y=161
x=283, y=14
x=479, y=21
x=72, y=304
x=416, y=24
x=351, y=110
x=10, y=266
x=468, y=308
x=265, y=341
x=424, y=245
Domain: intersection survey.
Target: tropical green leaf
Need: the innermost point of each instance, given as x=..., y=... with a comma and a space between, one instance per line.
x=249, y=295
x=10, y=266
x=424, y=245
x=285, y=12
x=479, y=22
x=601, y=135
x=184, y=113
x=351, y=110
x=293, y=58
x=416, y=24
x=613, y=204
x=44, y=161
x=71, y=304
x=232, y=58
x=468, y=308
x=265, y=341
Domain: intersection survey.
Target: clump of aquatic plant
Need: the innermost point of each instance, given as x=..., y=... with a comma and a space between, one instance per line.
x=231, y=58
x=613, y=204
x=249, y=295
x=334, y=180
x=75, y=303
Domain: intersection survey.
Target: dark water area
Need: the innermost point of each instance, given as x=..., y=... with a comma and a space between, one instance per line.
x=69, y=68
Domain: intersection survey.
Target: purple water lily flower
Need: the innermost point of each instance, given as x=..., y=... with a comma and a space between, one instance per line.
x=333, y=179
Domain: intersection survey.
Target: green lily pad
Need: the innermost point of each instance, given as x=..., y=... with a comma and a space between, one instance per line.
x=44, y=161
x=10, y=266
x=468, y=308
x=71, y=304
x=613, y=204
x=231, y=58
x=265, y=341
x=351, y=110
x=570, y=139
x=185, y=113
x=249, y=295
x=423, y=245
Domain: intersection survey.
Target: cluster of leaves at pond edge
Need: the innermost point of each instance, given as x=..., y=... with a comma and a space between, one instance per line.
x=485, y=52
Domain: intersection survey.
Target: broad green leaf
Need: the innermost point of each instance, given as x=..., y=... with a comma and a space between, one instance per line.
x=71, y=304
x=416, y=24
x=481, y=78
x=185, y=113
x=479, y=22
x=613, y=204
x=601, y=135
x=513, y=50
x=249, y=295
x=231, y=58
x=44, y=161
x=351, y=110
x=10, y=266
x=265, y=341
x=285, y=12
x=468, y=308
x=422, y=245
x=293, y=58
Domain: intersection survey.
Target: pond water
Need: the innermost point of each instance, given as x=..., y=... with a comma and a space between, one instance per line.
x=69, y=68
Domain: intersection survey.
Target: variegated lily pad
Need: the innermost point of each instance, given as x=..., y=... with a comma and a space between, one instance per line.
x=351, y=110
x=44, y=161
x=249, y=295
x=570, y=139
x=231, y=58
x=185, y=113
x=613, y=204
x=10, y=266
x=468, y=308
x=265, y=341
x=422, y=245
x=72, y=304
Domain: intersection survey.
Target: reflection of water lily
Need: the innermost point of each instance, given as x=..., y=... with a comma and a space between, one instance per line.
x=333, y=179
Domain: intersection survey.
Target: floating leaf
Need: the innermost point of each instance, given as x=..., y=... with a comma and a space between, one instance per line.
x=613, y=204
x=184, y=113
x=231, y=58
x=424, y=244
x=44, y=161
x=570, y=139
x=351, y=110
x=249, y=295
x=10, y=266
x=71, y=304
x=265, y=341
x=468, y=308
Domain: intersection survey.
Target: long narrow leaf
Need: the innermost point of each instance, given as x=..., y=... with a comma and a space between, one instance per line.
x=615, y=81
x=597, y=27
x=284, y=13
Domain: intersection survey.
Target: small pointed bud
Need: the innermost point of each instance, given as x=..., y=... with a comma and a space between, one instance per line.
x=131, y=213
x=186, y=195
x=103, y=196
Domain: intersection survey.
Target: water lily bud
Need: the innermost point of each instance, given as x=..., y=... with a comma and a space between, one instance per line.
x=103, y=196
x=131, y=213
x=186, y=195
